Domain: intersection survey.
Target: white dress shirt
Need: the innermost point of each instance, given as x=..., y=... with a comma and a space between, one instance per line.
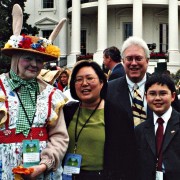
x=166, y=116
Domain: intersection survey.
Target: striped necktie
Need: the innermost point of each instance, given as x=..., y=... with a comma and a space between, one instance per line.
x=139, y=114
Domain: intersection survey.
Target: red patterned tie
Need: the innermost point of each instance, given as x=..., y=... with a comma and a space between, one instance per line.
x=159, y=141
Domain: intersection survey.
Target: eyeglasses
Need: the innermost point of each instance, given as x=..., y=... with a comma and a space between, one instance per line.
x=136, y=58
x=89, y=80
x=161, y=94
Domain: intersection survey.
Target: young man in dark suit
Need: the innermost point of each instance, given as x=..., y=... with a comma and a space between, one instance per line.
x=112, y=61
x=158, y=138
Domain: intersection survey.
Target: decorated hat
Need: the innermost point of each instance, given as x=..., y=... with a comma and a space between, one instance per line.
x=31, y=44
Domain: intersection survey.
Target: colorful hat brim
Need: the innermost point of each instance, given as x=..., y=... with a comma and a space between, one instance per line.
x=11, y=51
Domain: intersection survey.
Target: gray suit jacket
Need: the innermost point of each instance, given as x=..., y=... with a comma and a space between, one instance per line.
x=145, y=137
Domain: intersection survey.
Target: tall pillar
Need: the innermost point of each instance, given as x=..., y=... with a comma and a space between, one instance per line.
x=137, y=18
x=75, y=33
x=63, y=32
x=101, y=31
x=174, y=55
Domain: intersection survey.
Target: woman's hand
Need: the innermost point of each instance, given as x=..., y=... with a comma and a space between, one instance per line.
x=39, y=169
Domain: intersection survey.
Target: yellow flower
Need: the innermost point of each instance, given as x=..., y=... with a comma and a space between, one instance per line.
x=53, y=50
x=7, y=45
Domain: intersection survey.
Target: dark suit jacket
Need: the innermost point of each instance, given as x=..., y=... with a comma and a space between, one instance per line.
x=147, y=149
x=117, y=72
x=120, y=145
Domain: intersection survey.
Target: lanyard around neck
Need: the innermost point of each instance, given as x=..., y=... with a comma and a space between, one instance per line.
x=78, y=134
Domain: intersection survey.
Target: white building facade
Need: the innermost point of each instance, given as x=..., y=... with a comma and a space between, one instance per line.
x=93, y=25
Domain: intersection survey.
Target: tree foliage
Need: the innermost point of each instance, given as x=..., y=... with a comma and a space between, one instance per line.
x=6, y=20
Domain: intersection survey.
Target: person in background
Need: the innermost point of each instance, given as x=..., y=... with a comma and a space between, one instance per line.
x=158, y=137
x=112, y=61
x=31, y=116
x=63, y=80
x=85, y=118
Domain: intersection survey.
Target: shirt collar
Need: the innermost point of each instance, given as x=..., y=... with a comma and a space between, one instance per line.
x=131, y=84
x=166, y=116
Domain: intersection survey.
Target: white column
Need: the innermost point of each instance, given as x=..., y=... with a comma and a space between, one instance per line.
x=173, y=25
x=137, y=18
x=174, y=55
x=101, y=31
x=63, y=32
x=75, y=33
x=76, y=27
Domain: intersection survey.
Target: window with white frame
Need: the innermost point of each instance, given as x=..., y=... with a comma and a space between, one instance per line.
x=48, y=4
x=127, y=30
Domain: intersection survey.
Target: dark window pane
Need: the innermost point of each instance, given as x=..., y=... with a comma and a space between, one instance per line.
x=46, y=33
x=163, y=38
x=48, y=3
x=127, y=30
x=83, y=42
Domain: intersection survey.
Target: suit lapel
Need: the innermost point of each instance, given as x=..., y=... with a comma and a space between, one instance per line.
x=125, y=101
x=150, y=135
x=171, y=129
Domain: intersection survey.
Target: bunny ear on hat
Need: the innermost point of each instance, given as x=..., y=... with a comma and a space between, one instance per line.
x=31, y=44
x=17, y=16
x=57, y=29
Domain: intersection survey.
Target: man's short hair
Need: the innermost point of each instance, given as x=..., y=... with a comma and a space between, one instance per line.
x=114, y=53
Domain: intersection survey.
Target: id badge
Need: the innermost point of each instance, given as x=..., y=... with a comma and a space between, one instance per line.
x=31, y=155
x=159, y=175
x=72, y=165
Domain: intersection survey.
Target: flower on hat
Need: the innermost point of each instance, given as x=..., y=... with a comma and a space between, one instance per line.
x=53, y=50
x=25, y=42
x=34, y=43
x=46, y=42
x=13, y=42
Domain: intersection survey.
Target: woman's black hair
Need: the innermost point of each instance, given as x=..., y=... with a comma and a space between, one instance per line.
x=98, y=71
